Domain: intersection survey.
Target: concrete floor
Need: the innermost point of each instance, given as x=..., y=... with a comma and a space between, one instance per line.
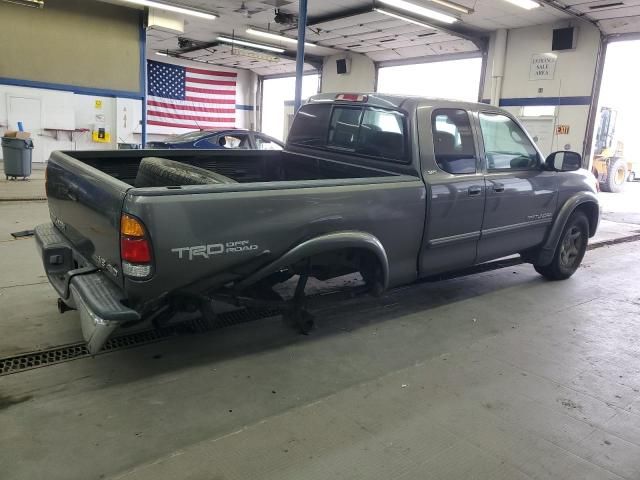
x=500, y=375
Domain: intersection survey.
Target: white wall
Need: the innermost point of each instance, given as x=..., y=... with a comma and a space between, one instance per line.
x=574, y=74
x=68, y=111
x=361, y=77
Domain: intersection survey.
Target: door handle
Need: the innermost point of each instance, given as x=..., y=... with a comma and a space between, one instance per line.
x=474, y=190
x=498, y=187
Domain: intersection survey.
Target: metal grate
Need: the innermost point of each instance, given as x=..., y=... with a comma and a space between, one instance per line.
x=73, y=351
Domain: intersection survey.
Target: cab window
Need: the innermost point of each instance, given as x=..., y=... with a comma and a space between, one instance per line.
x=506, y=145
x=453, y=145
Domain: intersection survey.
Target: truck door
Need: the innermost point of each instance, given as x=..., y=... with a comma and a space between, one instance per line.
x=455, y=191
x=521, y=196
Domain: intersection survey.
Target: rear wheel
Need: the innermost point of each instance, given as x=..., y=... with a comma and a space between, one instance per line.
x=570, y=250
x=616, y=176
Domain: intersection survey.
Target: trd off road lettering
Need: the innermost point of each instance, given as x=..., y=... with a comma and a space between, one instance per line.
x=206, y=251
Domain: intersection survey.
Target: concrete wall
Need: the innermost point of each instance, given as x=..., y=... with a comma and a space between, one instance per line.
x=74, y=42
x=361, y=78
x=572, y=82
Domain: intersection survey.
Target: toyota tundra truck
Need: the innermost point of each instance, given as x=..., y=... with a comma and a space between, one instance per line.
x=393, y=188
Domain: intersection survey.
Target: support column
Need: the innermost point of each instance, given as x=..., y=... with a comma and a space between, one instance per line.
x=302, y=28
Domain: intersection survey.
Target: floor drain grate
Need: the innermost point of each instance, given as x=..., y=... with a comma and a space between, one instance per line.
x=65, y=353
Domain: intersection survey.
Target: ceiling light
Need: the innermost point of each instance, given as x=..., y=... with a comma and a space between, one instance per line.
x=526, y=4
x=402, y=17
x=27, y=3
x=454, y=6
x=275, y=36
x=418, y=10
x=244, y=43
x=173, y=8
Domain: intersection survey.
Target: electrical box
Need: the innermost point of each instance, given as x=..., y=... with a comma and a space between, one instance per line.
x=343, y=66
x=564, y=39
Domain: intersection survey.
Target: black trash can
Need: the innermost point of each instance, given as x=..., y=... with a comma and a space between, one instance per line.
x=16, y=153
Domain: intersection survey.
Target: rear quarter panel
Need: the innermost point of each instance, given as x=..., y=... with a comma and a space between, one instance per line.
x=272, y=217
x=85, y=205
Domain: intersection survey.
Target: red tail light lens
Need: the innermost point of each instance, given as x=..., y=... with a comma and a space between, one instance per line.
x=135, y=250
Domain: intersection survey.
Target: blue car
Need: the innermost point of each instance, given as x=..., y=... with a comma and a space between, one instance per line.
x=217, y=139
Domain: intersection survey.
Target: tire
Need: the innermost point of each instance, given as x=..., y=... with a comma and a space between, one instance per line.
x=616, y=176
x=161, y=172
x=570, y=250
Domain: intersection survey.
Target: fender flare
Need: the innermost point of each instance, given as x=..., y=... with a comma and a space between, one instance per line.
x=549, y=246
x=322, y=244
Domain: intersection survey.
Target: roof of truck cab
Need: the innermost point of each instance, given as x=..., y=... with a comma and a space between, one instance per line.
x=406, y=102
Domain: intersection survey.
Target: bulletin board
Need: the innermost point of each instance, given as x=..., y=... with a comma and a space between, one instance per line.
x=72, y=42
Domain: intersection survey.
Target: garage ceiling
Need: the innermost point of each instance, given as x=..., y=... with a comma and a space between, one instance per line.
x=350, y=25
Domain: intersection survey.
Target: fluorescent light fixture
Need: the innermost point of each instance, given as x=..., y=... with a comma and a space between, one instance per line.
x=418, y=10
x=162, y=54
x=454, y=6
x=173, y=8
x=402, y=17
x=244, y=43
x=526, y=4
x=275, y=36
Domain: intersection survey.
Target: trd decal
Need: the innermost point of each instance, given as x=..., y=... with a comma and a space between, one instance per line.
x=207, y=251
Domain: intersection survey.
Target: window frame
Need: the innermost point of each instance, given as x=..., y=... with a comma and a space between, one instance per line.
x=476, y=147
x=405, y=160
x=539, y=163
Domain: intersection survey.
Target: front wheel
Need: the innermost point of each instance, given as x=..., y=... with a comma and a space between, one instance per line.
x=570, y=250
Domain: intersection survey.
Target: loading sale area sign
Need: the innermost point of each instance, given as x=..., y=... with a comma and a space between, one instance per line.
x=543, y=66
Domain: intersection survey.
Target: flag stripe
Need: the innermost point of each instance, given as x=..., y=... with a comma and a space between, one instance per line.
x=222, y=101
x=162, y=111
x=154, y=113
x=211, y=82
x=155, y=103
x=211, y=72
x=210, y=92
x=186, y=126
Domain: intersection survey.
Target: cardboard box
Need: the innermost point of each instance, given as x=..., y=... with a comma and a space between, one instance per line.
x=16, y=134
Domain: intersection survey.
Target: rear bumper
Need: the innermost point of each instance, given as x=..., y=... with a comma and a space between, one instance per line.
x=83, y=287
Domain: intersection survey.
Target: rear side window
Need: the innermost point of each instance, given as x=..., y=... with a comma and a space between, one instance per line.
x=370, y=131
x=344, y=127
x=382, y=134
x=453, y=141
x=310, y=125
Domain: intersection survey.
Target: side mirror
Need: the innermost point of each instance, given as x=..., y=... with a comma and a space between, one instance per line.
x=564, y=161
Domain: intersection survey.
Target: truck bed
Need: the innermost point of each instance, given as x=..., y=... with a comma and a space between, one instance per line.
x=243, y=166
x=281, y=199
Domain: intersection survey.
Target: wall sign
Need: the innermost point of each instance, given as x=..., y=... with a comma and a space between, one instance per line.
x=562, y=130
x=543, y=66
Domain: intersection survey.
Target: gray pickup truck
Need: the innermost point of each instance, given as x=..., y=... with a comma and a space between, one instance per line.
x=395, y=188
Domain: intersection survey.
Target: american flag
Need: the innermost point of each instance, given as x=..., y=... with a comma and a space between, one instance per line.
x=190, y=98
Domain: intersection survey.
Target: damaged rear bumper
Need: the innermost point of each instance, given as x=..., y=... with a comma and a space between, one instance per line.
x=87, y=289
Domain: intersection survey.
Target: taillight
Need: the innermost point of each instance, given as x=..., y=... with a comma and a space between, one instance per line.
x=351, y=97
x=135, y=249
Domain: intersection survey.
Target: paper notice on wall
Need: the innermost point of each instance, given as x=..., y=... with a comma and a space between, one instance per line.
x=543, y=66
